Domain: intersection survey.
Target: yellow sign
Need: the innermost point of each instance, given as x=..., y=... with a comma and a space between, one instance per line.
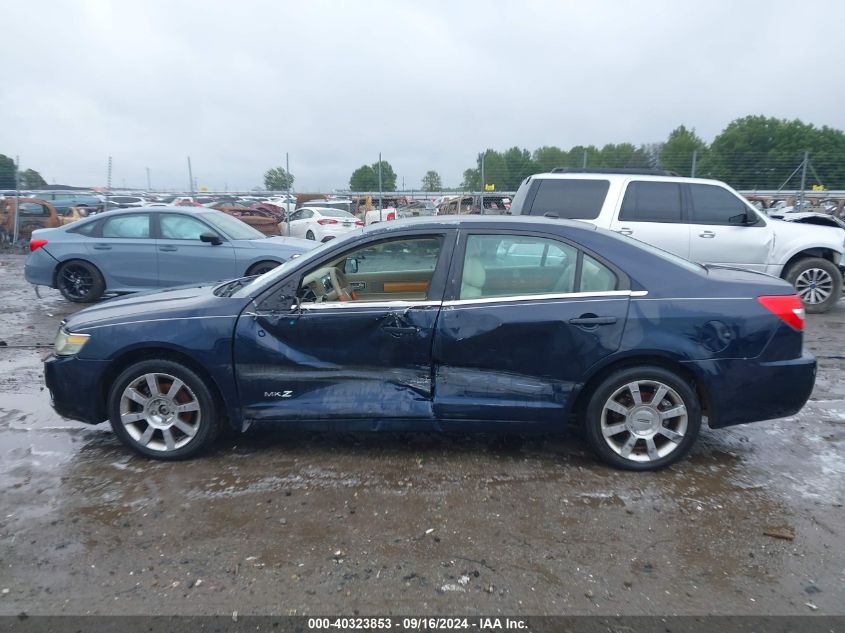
x=489, y=187
x=203, y=188
x=818, y=187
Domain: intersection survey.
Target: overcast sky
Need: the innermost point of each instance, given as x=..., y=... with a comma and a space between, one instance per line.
x=429, y=84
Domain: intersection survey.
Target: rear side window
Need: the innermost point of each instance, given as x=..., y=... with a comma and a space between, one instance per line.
x=714, y=205
x=127, y=226
x=87, y=228
x=580, y=199
x=596, y=277
x=652, y=202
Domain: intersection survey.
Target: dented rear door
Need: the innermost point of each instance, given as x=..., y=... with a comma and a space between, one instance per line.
x=521, y=357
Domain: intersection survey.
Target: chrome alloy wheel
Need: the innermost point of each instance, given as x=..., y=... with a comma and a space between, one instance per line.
x=814, y=285
x=644, y=420
x=160, y=412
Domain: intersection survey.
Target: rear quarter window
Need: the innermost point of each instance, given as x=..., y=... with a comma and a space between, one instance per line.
x=573, y=199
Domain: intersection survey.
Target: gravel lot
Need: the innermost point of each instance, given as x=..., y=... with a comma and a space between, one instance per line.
x=307, y=523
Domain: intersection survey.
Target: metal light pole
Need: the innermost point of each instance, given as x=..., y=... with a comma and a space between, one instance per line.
x=803, y=179
x=380, y=205
x=481, y=208
x=287, y=190
x=108, y=186
x=190, y=177
x=149, y=186
x=17, y=198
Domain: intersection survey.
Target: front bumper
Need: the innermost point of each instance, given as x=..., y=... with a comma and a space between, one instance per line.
x=740, y=391
x=75, y=387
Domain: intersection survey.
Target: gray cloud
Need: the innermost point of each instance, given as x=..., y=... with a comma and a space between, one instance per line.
x=429, y=84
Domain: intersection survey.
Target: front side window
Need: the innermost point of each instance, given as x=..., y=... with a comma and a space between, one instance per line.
x=127, y=226
x=715, y=205
x=513, y=265
x=181, y=227
x=651, y=202
x=399, y=269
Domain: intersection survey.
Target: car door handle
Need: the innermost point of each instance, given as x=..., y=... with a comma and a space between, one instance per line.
x=101, y=247
x=593, y=320
x=626, y=231
x=168, y=249
x=708, y=234
x=400, y=330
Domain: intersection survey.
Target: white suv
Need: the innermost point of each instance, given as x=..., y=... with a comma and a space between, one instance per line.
x=701, y=220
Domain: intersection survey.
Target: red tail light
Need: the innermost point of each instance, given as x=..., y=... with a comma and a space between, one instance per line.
x=788, y=308
x=34, y=245
x=325, y=221
x=359, y=223
x=391, y=216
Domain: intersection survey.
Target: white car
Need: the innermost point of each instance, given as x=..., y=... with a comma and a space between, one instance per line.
x=321, y=224
x=380, y=215
x=701, y=220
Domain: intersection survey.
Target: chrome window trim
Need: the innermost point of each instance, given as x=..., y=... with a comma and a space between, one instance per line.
x=346, y=305
x=547, y=297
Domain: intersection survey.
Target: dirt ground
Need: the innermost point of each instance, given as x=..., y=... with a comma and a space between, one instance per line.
x=280, y=523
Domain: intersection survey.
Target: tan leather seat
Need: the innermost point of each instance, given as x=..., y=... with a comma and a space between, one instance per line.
x=474, y=277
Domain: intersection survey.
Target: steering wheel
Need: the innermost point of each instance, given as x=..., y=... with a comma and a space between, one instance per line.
x=340, y=285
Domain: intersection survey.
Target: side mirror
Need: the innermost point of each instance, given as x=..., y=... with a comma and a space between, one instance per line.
x=745, y=219
x=211, y=238
x=351, y=265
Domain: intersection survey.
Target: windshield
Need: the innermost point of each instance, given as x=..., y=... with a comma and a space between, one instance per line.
x=232, y=227
x=261, y=282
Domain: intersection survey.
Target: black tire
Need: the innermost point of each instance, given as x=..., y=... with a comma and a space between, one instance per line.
x=310, y=236
x=80, y=281
x=261, y=267
x=685, y=426
x=205, y=421
x=827, y=278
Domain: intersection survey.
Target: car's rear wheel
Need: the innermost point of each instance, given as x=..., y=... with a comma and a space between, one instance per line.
x=261, y=267
x=309, y=235
x=642, y=418
x=162, y=409
x=817, y=281
x=80, y=282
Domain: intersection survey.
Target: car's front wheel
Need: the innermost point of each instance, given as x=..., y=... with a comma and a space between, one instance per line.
x=162, y=409
x=817, y=281
x=642, y=418
x=260, y=268
x=80, y=282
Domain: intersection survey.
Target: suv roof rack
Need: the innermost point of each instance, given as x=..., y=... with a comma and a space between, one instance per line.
x=639, y=171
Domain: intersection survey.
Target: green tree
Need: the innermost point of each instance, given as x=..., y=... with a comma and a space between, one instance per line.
x=472, y=179
x=623, y=155
x=7, y=172
x=31, y=179
x=431, y=181
x=677, y=152
x=518, y=165
x=549, y=157
x=365, y=178
x=278, y=179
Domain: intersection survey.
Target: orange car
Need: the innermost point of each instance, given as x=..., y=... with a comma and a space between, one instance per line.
x=34, y=214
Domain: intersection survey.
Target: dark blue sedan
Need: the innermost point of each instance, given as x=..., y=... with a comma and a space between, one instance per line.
x=458, y=324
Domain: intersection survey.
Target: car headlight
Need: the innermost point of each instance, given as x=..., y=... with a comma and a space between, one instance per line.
x=68, y=344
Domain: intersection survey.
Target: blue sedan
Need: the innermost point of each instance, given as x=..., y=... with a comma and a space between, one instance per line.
x=459, y=324
x=151, y=248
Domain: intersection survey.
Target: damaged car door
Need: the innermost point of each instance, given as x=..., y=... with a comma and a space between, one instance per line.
x=527, y=315
x=314, y=349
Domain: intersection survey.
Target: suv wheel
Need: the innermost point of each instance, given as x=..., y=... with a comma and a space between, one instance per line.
x=642, y=418
x=817, y=281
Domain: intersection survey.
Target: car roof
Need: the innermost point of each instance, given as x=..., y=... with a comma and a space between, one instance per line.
x=622, y=176
x=506, y=222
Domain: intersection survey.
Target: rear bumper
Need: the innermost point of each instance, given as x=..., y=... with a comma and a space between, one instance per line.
x=38, y=268
x=74, y=386
x=740, y=391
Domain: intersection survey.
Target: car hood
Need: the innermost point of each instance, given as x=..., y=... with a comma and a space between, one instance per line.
x=173, y=303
